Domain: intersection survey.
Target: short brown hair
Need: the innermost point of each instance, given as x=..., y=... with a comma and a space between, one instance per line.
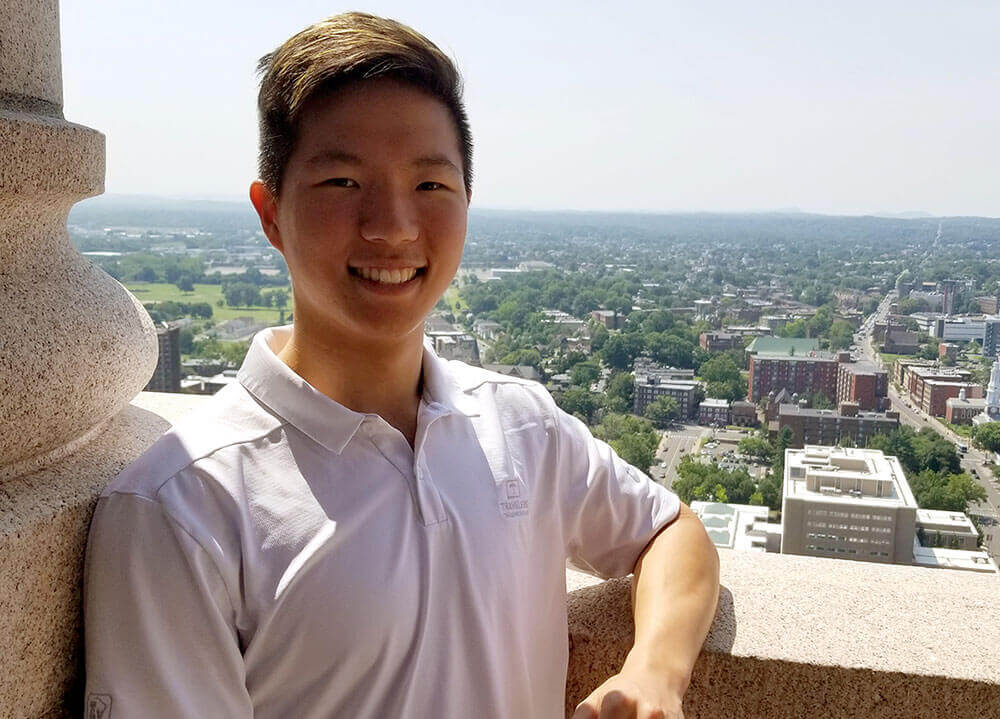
x=340, y=50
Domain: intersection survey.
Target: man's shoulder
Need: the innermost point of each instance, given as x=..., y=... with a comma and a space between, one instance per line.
x=510, y=396
x=232, y=418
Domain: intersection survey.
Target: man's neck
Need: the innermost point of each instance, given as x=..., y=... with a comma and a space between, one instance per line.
x=372, y=377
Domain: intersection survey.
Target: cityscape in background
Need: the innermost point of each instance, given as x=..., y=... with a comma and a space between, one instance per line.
x=816, y=385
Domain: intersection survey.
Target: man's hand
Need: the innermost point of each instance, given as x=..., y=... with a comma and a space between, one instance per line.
x=633, y=694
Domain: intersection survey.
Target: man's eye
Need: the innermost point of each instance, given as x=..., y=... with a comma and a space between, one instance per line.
x=340, y=182
x=429, y=185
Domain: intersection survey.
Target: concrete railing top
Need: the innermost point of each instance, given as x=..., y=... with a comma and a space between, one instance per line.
x=802, y=636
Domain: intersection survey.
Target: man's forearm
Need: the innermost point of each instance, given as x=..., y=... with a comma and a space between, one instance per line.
x=675, y=593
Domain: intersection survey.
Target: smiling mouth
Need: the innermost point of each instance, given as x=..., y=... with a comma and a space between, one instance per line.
x=396, y=276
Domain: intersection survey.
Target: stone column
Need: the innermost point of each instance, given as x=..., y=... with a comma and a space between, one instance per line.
x=75, y=348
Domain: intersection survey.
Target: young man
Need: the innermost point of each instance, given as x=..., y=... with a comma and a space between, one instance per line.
x=359, y=528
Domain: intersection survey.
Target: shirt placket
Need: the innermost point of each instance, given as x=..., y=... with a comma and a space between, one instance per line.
x=431, y=507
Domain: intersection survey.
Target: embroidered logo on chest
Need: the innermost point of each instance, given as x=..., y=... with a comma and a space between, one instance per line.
x=98, y=706
x=513, y=500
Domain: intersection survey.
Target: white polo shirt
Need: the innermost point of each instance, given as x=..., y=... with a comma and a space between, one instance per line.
x=280, y=555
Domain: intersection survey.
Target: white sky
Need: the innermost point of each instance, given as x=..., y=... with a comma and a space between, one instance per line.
x=840, y=107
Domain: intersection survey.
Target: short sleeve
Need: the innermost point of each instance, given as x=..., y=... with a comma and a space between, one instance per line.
x=160, y=638
x=611, y=510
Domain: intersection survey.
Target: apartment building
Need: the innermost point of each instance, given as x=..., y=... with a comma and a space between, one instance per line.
x=864, y=384
x=167, y=376
x=650, y=387
x=799, y=374
x=714, y=411
x=847, y=424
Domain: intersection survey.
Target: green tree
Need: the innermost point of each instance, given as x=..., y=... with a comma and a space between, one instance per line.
x=530, y=357
x=719, y=368
x=633, y=438
x=280, y=298
x=697, y=481
x=585, y=373
x=669, y=349
x=620, y=392
x=598, y=337
x=757, y=447
x=620, y=350
x=783, y=442
x=185, y=283
x=578, y=401
x=841, y=335
x=662, y=411
x=987, y=436
x=795, y=328
x=635, y=450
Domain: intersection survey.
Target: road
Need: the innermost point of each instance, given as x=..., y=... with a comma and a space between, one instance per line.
x=972, y=460
x=674, y=446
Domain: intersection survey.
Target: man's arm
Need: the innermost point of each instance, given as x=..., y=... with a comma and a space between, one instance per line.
x=676, y=589
x=160, y=640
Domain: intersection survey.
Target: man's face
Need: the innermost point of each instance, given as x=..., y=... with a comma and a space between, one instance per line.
x=372, y=213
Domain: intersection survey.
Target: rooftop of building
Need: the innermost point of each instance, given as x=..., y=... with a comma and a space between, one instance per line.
x=841, y=475
x=783, y=345
x=811, y=356
x=678, y=384
x=945, y=519
x=936, y=372
x=794, y=409
x=974, y=402
x=730, y=525
x=862, y=367
x=715, y=402
x=944, y=558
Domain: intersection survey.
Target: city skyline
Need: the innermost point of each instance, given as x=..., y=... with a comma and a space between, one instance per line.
x=716, y=107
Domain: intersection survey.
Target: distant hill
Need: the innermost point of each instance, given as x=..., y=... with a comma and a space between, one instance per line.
x=697, y=227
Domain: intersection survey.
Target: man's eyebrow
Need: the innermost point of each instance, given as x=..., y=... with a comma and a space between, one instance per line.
x=436, y=161
x=330, y=157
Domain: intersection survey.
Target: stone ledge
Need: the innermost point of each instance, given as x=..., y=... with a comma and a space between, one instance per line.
x=800, y=636
x=44, y=518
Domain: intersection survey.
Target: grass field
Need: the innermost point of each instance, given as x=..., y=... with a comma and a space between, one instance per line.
x=163, y=292
x=454, y=300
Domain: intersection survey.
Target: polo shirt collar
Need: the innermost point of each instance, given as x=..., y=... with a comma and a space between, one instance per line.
x=442, y=386
x=327, y=422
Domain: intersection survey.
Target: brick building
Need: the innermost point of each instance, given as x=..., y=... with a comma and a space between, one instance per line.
x=743, y=413
x=649, y=388
x=799, y=374
x=719, y=341
x=930, y=388
x=714, y=411
x=830, y=427
x=961, y=409
x=863, y=383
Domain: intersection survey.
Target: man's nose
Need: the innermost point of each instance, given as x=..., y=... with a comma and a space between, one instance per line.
x=388, y=215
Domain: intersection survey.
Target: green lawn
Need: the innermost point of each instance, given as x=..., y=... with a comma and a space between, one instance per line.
x=454, y=300
x=963, y=430
x=890, y=359
x=164, y=292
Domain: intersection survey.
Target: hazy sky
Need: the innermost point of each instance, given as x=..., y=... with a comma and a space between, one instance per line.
x=841, y=107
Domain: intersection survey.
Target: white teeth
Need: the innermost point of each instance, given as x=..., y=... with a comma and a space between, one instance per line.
x=389, y=277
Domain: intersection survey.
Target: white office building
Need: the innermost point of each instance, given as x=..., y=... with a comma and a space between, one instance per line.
x=849, y=503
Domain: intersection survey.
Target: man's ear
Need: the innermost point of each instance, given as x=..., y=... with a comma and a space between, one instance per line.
x=267, y=209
